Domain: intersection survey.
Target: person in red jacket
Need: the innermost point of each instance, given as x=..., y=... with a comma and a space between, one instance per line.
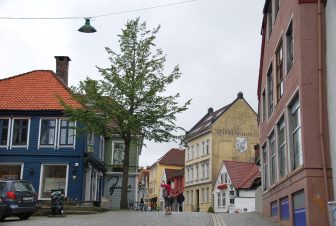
x=167, y=200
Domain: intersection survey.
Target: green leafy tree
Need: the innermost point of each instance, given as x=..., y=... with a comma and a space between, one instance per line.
x=131, y=94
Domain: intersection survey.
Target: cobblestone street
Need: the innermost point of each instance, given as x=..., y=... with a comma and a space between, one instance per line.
x=130, y=218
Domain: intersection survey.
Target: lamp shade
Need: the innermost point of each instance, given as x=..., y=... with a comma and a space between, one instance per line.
x=87, y=28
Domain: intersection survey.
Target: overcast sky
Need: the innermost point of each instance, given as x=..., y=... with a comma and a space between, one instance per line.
x=215, y=42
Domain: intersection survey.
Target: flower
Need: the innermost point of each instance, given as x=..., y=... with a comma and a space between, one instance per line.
x=222, y=186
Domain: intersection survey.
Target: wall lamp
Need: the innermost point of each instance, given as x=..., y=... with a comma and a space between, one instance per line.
x=31, y=171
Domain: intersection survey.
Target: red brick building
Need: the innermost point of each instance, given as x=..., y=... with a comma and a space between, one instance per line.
x=295, y=157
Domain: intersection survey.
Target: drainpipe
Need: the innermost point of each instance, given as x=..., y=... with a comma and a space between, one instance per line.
x=320, y=84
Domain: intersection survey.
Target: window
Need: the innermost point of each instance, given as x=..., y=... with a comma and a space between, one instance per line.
x=265, y=167
x=67, y=132
x=282, y=147
x=188, y=175
x=263, y=106
x=11, y=171
x=118, y=153
x=90, y=142
x=295, y=129
x=270, y=92
x=203, y=170
x=207, y=194
x=269, y=21
x=279, y=71
x=274, y=209
x=188, y=152
x=101, y=148
x=4, y=125
x=48, y=132
x=223, y=178
x=207, y=147
x=203, y=148
x=207, y=169
x=53, y=177
x=197, y=172
x=221, y=198
x=197, y=150
x=192, y=173
x=272, y=159
x=192, y=151
x=289, y=47
x=299, y=208
x=20, y=132
x=284, y=209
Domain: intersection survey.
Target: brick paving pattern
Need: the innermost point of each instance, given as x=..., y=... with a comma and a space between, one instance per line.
x=246, y=219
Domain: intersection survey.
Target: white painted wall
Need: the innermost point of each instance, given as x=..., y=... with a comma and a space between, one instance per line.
x=331, y=81
x=246, y=200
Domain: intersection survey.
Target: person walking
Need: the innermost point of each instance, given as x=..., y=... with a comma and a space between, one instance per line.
x=167, y=195
x=180, y=200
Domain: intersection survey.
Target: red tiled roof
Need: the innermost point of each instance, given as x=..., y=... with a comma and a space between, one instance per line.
x=35, y=90
x=173, y=157
x=242, y=174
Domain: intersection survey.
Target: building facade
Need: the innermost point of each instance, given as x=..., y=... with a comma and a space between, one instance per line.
x=39, y=144
x=295, y=160
x=229, y=133
x=114, y=157
x=172, y=160
x=331, y=80
x=235, y=187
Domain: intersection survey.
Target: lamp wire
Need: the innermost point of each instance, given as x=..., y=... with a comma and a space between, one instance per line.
x=102, y=15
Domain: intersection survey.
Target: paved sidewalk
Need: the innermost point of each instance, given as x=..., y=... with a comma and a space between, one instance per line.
x=243, y=219
x=119, y=218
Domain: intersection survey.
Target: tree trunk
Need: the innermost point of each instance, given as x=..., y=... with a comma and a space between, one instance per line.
x=124, y=185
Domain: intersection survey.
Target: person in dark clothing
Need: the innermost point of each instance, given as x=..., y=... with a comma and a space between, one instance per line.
x=142, y=204
x=180, y=200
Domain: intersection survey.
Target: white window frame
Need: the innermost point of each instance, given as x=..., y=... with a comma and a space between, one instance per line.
x=42, y=174
x=59, y=134
x=102, y=148
x=272, y=158
x=282, y=147
x=12, y=130
x=8, y=131
x=39, y=145
x=292, y=108
x=116, y=142
x=15, y=163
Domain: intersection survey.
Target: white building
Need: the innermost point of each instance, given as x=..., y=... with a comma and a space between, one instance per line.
x=235, y=187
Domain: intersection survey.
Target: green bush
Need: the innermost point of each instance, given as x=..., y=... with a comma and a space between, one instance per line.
x=210, y=210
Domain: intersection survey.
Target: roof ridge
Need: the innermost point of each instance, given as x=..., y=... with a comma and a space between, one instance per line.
x=25, y=73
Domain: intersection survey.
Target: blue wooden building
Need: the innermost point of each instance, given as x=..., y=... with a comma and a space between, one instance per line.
x=38, y=143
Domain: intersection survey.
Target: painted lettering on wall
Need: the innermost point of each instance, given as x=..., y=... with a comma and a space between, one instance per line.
x=230, y=132
x=114, y=186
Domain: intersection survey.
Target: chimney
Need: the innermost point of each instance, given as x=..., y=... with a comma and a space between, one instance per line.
x=62, y=67
x=210, y=110
x=240, y=95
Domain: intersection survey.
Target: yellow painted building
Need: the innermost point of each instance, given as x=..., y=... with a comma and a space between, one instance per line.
x=173, y=159
x=229, y=133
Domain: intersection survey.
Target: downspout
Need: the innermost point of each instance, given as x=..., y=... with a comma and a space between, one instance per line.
x=320, y=84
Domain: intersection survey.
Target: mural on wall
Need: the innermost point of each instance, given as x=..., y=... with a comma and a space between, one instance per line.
x=115, y=180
